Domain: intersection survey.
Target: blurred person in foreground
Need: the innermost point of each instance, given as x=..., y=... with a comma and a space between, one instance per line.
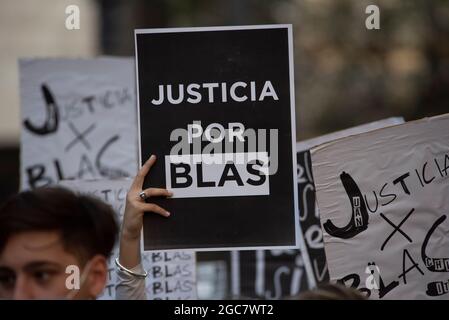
x=47, y=230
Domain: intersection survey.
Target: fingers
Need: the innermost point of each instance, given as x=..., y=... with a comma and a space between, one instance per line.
x=150, y=192
x=157, y=192
x=151, y=207
x=140, y=177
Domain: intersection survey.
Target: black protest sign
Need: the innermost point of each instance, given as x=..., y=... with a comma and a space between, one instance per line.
x=269, y=274
x=216, y=106
x=309, y=219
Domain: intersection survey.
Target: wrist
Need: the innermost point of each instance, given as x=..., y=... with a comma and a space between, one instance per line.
x=128, y=235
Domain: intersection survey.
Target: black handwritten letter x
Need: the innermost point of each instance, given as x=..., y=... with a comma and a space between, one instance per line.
x=81, y=137
x=396, y=228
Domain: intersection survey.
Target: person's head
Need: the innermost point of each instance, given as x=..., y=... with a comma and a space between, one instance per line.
x=47, y=232
x=331, y=291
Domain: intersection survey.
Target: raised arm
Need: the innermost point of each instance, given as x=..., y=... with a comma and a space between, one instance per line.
x=131, y=274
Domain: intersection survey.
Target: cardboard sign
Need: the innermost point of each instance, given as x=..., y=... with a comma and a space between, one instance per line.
x=383, y=207
x=171, y=275
x=314, y=257
x=78, y=120
x=216, y=106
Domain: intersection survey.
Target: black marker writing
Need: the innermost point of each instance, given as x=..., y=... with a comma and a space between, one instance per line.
x=51, y=123
x=434, y=264
x=397, y=228
x=359, y=220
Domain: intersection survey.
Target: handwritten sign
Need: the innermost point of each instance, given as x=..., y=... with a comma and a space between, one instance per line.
x=308, y=212
x=171, y=274
x=78, y=120
x=383, y=207
x=216, y=106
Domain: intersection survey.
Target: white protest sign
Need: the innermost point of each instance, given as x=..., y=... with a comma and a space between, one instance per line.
x=314, y=257
x=171, y=275
x=314, y=142
x=383, y=200
x=78, y=119
x=269, y=274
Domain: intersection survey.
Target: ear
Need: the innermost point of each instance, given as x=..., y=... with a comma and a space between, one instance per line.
x=97, y=276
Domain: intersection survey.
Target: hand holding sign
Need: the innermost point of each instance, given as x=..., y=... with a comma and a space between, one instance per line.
x=133, y=217
x=170, y=275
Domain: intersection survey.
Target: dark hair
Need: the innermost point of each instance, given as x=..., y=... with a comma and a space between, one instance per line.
x=87, y=226
x=331, y=291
